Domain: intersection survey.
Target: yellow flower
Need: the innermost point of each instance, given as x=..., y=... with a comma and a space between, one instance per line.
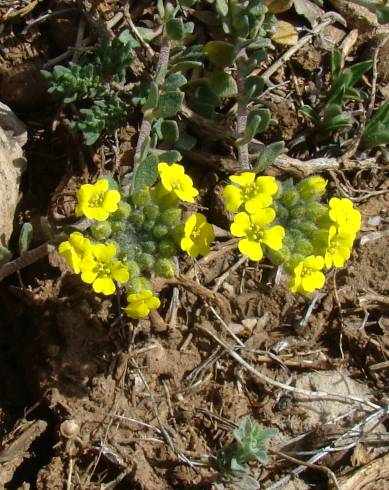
x=253, y=229
x=174, y=179
x=198, y=234
x=97, y=201
x=75, y=250
x=140, y=304
x=308, y=276
x=346, y=217
x=254, y=193
x=102, y=269
x=338, y=248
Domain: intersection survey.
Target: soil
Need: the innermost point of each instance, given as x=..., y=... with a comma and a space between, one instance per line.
x=92, y=400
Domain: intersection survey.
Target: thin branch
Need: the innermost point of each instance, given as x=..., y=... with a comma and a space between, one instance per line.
x=241, y=117
x=25, y=260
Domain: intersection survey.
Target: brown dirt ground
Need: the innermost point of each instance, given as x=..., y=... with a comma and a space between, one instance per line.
x=144, y=395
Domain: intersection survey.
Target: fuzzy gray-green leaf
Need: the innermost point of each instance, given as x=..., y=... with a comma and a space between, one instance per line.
x=25, y=238
x=169, y=104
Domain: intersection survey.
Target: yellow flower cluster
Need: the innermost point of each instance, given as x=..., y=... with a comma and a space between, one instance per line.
x=344, y=221
x=197, y=233
x=96, y=262
x=255, y=195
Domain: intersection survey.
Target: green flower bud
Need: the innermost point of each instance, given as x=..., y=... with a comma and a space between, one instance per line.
x=133, y=268
x=297, y=212
x=171, y=217
x=294, y=235
x=128, y=251
x=145, y=261
x=123, y=212
x=160, y=231
x=142, y=198
x=118, y=226
x=303, y=247
x=282, y=212
x=307, y=228
x=165, y=268
x=139, y=284
x=137, y=218
x=278, y=257
x=167, y=248
x=148, y=225
x=151, y=211
x=293, y=262
x=315, y=211
x=289, y=198
x=101, y=230
x=149, y=246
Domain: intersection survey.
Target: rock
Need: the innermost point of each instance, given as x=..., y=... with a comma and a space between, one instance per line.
x=13, y=136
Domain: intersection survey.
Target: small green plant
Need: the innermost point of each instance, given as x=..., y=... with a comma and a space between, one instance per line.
x=90, y=87
x=332, y=117
x=376, y=132
x=249, y=445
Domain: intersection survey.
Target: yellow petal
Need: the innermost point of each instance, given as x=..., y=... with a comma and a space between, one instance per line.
x=273, y=237
x=233, y=198
x=258, y=202
x=243, y=179
x=240, y=225
x=111, y=200
x=263, y=217
x=250, y=248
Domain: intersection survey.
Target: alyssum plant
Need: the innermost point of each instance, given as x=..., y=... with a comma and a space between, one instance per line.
x=134, y=236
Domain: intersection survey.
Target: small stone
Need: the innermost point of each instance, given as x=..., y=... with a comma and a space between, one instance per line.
x=229, y=289
x=249, y=323
x=69, y=429
x=374, y=221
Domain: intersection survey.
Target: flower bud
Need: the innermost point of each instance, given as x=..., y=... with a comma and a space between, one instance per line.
x=312, y=187
x=145, y=261
x=149, y=246
x=139, y=284
x=289, y=198
x=167, y=248
x=278, y=257
x=137, y=218
x=123, y=212
x=133, y=269
x=101, y=230
x=165, y=268
x=160, y=230
x=297, y=212
x=142, y=198
x=293, y=262
x=151, y=211
x=148, y=225
x=303, y=247
x=315, y=211
x=118, y=226
x=171, y=217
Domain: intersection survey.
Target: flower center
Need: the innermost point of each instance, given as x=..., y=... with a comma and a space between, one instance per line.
x=307, y=271
x=195, y=233
x=255, y=233
x=177, y=185
x=249, y=191
x=96, y=201
x=103, y=270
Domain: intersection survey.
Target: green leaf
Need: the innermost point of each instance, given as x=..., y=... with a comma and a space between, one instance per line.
x=253, y=87
x=161, y=8
x=311, y=114
x=25, y=238
x=169, y=104
x=268, y=155
x=170, y=156
x=174, y=82
x=252, y=62
x=204, y=109
x=147, y=173
x=5, y=255
x=222, y=7
x=184, y=66
x=112, y=183
x=175, y=29
x=186, y=142
x=220, y=53
x=170, y=132
x=145, y=148
x=187, y=3
x=222, y=84
x=153, y=97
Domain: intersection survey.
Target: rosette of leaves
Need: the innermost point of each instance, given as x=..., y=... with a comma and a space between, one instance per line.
x=87, y=85
x=249, y=445
x=332, y=117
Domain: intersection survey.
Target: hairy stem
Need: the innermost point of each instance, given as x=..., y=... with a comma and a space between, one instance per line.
x=145, y=128
x=241, y=118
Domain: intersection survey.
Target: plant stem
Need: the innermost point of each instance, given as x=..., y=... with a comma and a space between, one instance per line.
x=241, y=117
x=145, y=128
